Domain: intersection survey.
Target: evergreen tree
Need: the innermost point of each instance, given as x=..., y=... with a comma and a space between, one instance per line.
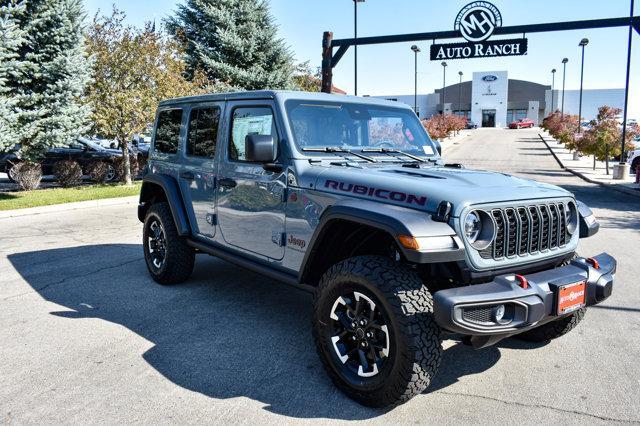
x=11, y=38
x=54, y=72
x=234, y=42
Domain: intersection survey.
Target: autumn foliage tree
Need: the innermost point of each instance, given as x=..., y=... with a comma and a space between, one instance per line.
x=134, y=70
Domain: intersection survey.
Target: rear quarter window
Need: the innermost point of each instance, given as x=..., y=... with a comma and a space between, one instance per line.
x=167, y=137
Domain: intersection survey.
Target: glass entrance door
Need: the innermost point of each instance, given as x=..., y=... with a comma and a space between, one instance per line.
x=488, y=118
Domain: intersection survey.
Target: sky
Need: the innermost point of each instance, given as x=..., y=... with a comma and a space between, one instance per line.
x=388, y=69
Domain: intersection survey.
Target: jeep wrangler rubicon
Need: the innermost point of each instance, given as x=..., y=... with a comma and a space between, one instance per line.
x=349, y=198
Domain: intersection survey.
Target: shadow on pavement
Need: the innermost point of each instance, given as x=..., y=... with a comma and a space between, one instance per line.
x=225, y=333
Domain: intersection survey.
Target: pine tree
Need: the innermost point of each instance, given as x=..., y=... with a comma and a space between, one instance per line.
x=234, y=42
x=55, y=71
x=11, y=39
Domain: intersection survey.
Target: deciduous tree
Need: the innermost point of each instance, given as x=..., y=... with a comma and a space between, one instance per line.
x=134, y=70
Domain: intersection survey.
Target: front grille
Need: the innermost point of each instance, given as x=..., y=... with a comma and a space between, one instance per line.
x=521, y=231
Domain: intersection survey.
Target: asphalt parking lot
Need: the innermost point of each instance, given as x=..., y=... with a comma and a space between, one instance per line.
x=87, y=337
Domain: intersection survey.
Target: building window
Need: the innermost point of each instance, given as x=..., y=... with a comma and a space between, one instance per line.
x=521, y=113
x=509, y=116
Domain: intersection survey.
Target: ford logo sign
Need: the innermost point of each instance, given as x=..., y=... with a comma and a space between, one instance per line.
x=489, y=78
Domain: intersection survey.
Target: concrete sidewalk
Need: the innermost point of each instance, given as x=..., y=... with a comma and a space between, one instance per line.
x=583, y=167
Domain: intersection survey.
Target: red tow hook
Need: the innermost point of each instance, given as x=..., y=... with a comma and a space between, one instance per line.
x=522, y=281
x=593, y=262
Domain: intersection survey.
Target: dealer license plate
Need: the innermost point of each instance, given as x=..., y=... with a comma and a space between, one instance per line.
x=571, y=297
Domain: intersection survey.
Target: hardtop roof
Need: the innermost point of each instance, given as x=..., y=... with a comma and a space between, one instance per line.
x=281, y=95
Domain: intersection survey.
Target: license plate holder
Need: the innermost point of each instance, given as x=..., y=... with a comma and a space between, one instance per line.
x=571, y=297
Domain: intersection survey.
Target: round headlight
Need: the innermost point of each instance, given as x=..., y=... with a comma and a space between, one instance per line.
x=472, y=226
x=571, y=213
x=479, y=229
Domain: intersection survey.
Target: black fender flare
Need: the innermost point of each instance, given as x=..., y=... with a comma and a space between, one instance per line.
x=392, y=219
x=173, y=195
x=588, y=227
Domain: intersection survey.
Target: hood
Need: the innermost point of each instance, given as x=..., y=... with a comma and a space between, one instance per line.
x=424, y=188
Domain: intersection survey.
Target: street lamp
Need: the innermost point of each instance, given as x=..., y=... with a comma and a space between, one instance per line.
x=553, y=83
x=444, y=81
x=564, y=75
x=582, y=44
x=460, y=95
x=416, y=50
x=355, y=46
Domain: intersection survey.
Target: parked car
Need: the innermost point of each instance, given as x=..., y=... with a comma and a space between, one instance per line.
x=633, y=158
x=83, y=150
x=398, y=247
x=523, y=123
x=471, y=125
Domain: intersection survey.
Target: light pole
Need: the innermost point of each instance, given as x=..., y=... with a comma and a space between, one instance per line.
x=444, y=83
x=582, y=44
x=553, y=83
x=416, y=50
x=355, y=47
x=622, y=166
x=564, y=75
x=460, y=94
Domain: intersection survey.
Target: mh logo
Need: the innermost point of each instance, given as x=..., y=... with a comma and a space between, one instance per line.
x=477, y=21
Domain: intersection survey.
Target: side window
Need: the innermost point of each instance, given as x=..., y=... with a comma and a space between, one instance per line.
x=249, y=121
x=168, y=131
x=203, y=132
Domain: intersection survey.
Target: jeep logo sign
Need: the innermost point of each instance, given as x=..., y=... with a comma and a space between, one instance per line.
x=489, y=78
x=476, y=21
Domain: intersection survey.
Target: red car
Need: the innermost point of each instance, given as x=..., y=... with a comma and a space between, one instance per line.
x=522, y=124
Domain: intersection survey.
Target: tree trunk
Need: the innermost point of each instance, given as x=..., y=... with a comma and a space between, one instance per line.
x=606, y=161
x=127, y=163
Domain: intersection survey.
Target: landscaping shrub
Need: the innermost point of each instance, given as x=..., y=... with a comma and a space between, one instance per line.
x=68, y=173
x=98, y=171
x=27, y=175
x=119, y=166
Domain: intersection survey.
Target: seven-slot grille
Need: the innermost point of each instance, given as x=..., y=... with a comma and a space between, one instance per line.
x=526, y=230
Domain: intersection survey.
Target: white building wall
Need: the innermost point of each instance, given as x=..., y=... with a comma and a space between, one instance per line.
x=490, y=95
x=591, y=101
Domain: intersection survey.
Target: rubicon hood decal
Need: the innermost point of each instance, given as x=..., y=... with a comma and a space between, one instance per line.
x=379, y=193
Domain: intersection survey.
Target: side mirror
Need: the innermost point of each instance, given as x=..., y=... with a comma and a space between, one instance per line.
x=436, y=142
x=260, y=148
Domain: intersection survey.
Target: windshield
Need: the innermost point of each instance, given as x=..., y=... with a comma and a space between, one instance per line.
x=91, y=144
x=356, y=127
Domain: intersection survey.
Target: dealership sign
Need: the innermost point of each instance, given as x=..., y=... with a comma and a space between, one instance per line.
x=476, y=22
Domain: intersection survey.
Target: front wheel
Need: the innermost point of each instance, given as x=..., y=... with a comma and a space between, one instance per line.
x=169, y=258
x=11, y=173
x=635, y=164
x=375, y=331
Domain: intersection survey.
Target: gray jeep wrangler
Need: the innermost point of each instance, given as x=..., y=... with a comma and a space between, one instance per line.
x=349, y=198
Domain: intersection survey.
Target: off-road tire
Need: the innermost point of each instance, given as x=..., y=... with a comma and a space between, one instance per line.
x=413, y=329
x=555, y=329
x=179, y=257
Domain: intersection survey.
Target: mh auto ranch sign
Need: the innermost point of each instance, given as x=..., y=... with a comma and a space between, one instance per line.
x=476, y=22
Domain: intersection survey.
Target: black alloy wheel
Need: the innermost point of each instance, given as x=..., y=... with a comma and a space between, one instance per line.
x=359, y=335
x=157, y=244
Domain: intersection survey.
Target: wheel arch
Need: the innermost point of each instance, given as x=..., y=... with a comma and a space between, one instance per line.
x=161, y=187
x=366, y=228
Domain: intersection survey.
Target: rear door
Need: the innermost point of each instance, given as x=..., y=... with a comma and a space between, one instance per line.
x=250, y=199
x=198, y=174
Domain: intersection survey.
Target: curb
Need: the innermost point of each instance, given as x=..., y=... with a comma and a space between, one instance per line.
x=69, y=206
x=582, y=176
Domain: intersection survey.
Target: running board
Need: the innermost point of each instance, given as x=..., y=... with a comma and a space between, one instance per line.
x=250, y=265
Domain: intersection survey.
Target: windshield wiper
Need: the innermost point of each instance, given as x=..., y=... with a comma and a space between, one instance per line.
x=336, y=149
x=394, y=151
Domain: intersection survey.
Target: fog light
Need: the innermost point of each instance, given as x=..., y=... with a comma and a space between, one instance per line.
x=497, y=313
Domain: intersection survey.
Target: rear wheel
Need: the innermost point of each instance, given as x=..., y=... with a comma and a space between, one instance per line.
x=634, y=165
x=375, y=331
x=11, y=174
x=169, y=258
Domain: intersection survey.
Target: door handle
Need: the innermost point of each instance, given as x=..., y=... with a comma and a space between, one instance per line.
x=227, y=183
x=187, y=175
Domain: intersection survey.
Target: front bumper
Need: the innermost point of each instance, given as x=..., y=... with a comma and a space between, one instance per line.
x=471, y=310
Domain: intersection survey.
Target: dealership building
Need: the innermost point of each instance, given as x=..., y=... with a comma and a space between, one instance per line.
x=492, y=99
